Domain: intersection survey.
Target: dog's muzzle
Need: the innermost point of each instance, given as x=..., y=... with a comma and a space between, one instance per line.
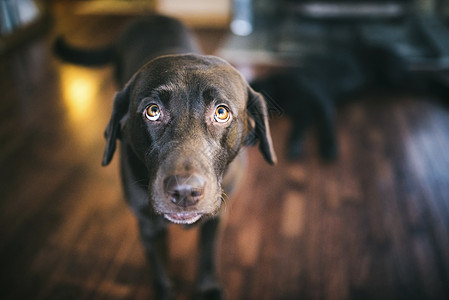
x=184, y=191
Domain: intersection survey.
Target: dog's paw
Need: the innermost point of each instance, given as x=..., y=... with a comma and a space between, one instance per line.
x=210, y=294
x=209, y=289
x=163, y=293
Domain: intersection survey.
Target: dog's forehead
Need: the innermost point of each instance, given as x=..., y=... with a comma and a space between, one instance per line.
x=188, y=62
x=192, y=72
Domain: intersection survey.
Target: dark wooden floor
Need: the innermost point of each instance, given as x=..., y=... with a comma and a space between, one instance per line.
x=373, y=225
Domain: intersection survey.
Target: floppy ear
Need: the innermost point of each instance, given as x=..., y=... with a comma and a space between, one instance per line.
x=258, y=122
x=112, y=133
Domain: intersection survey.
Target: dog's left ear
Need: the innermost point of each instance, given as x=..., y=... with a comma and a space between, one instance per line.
x=112, y=133
x=260, y=129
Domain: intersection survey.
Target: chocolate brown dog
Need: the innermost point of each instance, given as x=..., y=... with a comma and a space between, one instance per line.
x=183, y=120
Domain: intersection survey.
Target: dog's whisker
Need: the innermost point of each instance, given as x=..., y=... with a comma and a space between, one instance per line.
x=225, y=202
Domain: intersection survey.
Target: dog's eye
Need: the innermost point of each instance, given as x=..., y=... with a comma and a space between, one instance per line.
x=222, y=114
x=153, y=112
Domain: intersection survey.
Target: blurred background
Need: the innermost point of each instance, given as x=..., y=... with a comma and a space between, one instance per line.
x=357, y=207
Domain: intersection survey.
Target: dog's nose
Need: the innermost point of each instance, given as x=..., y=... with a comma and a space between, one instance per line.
x=185, y=190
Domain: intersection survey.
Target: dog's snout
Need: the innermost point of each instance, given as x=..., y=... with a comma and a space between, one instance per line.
x=185, y=190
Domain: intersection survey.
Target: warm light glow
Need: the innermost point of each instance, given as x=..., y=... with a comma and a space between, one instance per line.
x=79, y=87
x=87, y=96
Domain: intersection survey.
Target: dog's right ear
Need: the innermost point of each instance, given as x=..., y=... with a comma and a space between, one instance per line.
x=113, y=130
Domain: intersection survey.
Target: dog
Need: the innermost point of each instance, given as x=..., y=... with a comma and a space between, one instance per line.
x=183, y=120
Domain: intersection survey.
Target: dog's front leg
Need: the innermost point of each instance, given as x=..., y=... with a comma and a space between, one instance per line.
x=155, y=242
x=208, y=285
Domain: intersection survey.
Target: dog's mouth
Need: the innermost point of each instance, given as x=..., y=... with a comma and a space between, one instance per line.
x=184, y=218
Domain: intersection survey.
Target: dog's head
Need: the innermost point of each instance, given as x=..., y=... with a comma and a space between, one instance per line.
x=186, y=117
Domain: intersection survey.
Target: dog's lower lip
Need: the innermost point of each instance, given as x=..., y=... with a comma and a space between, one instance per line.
x=183, y=217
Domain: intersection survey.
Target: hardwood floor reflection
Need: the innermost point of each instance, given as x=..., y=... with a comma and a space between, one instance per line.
x=373, y=225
